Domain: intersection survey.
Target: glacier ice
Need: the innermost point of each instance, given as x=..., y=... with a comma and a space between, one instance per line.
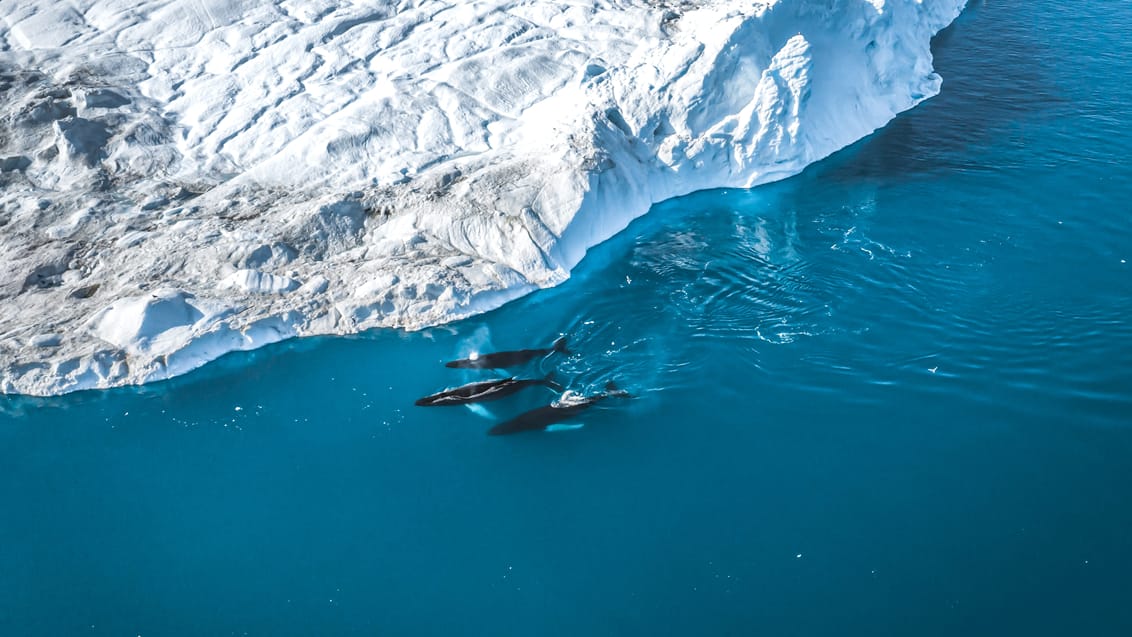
x=183, y=179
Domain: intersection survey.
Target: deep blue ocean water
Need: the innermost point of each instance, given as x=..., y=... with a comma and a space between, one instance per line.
x=891, y=396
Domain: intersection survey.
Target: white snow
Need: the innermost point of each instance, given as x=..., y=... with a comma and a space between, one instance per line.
x=256, y=281
x=182, y=179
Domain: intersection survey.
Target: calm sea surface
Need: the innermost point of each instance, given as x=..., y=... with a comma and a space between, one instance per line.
x=891, y=396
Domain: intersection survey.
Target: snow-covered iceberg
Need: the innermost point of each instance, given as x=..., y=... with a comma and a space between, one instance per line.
x=182, y=179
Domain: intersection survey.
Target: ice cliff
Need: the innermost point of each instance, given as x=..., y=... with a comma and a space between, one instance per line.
x=180, y=179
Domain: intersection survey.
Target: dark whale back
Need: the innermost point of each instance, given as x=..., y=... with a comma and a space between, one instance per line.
x=484, y=391
x=469, y=393
x=542, y=417
x=498, y=360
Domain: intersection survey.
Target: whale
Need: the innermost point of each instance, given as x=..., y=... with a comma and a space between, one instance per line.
x=514, y=358
x=548, y=416
x=486, y=390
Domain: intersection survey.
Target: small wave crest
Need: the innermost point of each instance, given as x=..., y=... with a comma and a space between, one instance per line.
x=691, y=288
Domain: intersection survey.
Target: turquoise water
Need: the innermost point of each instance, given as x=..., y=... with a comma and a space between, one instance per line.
x=890, y=396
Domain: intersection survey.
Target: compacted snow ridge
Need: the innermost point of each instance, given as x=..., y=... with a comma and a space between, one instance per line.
x=180, y=179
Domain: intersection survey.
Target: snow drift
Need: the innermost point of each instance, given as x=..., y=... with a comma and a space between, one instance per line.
x=183, y=179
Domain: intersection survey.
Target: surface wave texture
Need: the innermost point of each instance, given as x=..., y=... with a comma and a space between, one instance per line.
x=185, y=179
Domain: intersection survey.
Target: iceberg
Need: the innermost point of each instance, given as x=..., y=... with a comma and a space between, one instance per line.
x=182, y=179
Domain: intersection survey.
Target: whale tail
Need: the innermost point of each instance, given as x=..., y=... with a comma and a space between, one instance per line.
x=560, y=346
x=548, y=380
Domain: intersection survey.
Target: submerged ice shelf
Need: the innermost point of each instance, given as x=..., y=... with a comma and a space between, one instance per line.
x=180, y=180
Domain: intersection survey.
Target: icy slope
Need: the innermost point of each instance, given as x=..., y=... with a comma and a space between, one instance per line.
x=180, y=179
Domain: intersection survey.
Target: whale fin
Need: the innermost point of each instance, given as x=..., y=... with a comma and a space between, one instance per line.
x=548, y=380
x=560, y=427
x=479, y=410
x=560, y=346
x=611, y=389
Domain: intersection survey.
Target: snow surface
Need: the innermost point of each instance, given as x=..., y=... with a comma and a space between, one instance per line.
x=180, y=179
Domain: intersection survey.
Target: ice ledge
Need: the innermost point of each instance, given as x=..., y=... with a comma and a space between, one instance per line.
x=179, y=182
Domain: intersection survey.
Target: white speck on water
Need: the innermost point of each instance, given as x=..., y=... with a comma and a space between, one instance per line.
x=798, y=556
x=933, y=369
x=239, y=408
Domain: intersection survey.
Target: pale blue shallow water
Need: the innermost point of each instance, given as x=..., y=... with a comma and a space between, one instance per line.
x=892, y=396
